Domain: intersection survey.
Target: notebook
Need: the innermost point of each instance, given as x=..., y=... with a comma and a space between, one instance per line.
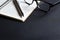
x=9, y=10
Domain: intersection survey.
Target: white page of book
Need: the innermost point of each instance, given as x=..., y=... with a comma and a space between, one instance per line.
x=10, y=10
x=2, y=1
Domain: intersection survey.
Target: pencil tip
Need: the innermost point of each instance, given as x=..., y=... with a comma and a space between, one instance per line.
x=22, y=16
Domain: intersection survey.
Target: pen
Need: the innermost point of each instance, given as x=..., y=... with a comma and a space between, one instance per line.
x=18, y=8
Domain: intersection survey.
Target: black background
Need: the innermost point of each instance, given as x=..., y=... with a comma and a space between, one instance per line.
x=37, y=27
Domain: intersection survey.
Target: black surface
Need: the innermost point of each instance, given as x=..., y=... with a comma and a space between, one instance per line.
x=53, y=2
x=36, y=27
x=44, y=6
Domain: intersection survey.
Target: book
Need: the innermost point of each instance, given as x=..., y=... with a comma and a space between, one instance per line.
x=9, y=10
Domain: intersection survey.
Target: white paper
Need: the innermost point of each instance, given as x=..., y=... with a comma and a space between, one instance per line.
x=2, y=1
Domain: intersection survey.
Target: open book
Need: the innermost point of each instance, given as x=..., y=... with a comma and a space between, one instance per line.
x=10, y=10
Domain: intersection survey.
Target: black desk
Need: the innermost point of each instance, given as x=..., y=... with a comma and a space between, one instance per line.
x=36, y=27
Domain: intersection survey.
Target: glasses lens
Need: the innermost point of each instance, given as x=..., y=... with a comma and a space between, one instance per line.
x=29, y=1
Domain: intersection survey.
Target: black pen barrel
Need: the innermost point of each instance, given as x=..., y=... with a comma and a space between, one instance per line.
x=18, y=8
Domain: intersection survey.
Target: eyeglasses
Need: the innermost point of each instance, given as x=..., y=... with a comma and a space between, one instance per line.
x=29, y=2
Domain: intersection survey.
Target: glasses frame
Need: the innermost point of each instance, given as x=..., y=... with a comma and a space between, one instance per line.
x=5, y=3
x=28, y=3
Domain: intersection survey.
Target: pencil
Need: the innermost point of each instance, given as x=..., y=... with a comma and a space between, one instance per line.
x=15, y=2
